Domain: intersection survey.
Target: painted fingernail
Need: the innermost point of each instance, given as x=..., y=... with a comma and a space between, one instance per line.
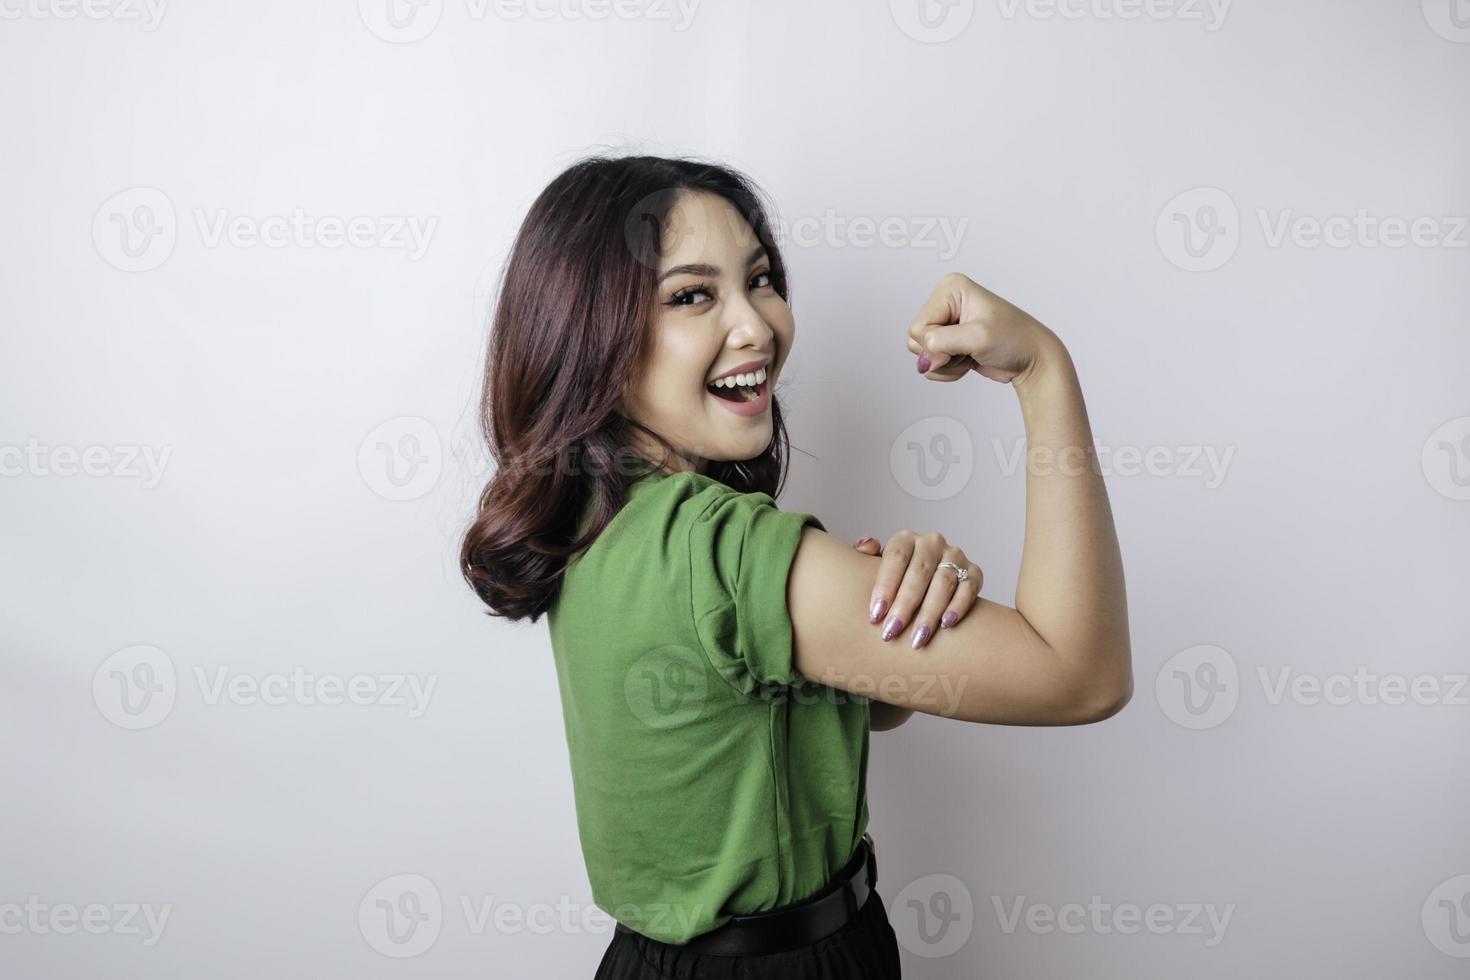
x=921, y=635
x=880, y=606
x=894, y=627
x=861, y=540
x=949, y=619
x=924, y=363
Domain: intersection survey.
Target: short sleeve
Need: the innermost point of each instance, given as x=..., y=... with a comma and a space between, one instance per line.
x=740, y=553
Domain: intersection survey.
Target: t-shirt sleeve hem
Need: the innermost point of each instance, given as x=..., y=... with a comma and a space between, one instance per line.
x=762, y=591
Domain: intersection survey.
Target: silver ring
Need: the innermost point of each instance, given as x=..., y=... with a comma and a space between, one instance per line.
x=963, y=573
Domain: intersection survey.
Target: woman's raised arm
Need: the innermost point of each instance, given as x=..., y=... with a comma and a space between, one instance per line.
x=1062, y=656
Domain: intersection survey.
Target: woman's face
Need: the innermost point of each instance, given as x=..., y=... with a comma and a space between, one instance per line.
x=715, y=311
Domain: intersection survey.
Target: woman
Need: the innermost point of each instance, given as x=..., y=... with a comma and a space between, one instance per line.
x=720, y=661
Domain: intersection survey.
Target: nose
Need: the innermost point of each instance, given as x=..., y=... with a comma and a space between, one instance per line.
x=746, y=327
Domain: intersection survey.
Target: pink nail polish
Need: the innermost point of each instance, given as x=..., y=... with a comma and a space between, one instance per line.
x=894, y=627
x=924, y=363
x=921, y=635
x=949, y=619
x=880, y=605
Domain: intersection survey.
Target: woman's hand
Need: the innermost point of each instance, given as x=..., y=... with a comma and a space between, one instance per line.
x=915, y=589
x=964, y=326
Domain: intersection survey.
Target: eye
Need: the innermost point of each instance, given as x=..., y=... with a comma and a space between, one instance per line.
x=756, y=280
x=679, y=298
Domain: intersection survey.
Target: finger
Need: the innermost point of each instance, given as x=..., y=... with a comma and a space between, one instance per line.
x=868, y=546
x=952, y=370
x=927, y=552
x=940, y=367
x=965, y=596
x=890, y=573
x=944, y=589
x=945, y=304
x=971, y=337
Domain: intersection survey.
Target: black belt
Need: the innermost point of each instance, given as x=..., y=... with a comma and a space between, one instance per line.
x=801, y=924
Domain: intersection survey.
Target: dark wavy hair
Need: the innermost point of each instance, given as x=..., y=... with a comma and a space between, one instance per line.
x=575, y=301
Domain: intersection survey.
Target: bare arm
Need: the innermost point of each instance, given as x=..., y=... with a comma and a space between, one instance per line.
x=884, y=717
x=1062, y=657
x=1070, y=588
x=912, y=588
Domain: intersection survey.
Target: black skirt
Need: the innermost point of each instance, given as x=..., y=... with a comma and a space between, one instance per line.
x=864, y=949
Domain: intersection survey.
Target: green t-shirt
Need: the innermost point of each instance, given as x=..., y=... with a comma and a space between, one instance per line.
x=710, y=778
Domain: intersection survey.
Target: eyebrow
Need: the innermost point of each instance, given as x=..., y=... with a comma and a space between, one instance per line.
x=713, y=271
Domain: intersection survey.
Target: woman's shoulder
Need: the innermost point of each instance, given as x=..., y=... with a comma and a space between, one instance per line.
x=693, y=494
x=669, y=507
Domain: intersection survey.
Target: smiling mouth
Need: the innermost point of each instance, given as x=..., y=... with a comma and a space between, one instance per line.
x=740, y=393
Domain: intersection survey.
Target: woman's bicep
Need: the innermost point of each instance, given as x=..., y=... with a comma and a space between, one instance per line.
x=989, y=667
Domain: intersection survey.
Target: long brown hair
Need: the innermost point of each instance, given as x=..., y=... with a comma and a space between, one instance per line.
x=569, y=335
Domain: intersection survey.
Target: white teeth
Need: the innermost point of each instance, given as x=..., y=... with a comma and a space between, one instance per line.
x=742, y=380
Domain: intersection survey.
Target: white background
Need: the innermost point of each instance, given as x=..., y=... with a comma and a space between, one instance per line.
x=1074, y=151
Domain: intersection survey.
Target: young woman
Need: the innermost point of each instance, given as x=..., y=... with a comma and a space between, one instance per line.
x=720, y=661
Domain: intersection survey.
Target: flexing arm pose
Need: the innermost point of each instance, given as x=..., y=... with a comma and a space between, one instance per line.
x=1061, y=656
